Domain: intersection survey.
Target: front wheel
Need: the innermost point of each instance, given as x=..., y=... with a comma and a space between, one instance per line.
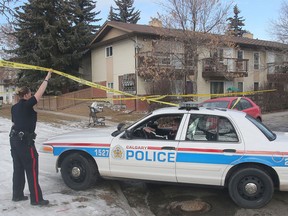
x=251, y=188
x=79, y=172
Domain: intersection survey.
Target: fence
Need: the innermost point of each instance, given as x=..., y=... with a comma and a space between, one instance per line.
x=271, y=101
x=55, y=103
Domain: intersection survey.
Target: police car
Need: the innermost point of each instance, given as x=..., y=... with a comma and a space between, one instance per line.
x=218, y=147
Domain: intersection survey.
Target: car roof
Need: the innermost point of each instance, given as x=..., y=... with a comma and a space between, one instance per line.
x=224, y=99
x=200, y=110
x=221, y=99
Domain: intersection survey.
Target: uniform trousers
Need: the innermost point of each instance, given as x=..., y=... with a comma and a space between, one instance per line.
x=25, y=160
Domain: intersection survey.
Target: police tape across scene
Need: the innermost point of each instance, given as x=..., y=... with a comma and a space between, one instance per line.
x=151, y=98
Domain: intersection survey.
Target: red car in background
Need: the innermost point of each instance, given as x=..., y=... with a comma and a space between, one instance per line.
x=239, y=103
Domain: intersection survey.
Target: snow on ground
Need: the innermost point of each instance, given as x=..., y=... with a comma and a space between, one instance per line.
x=100, y=200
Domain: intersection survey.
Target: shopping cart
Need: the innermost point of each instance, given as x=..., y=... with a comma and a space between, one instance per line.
x=93, y=118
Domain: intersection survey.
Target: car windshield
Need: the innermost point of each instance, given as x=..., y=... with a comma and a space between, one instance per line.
x=266, y=131
x=214, y=104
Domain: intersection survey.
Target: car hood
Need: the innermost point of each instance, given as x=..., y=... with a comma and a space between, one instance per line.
x=94, y=135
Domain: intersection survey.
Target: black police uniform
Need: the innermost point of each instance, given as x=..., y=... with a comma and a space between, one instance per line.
x=23, y=151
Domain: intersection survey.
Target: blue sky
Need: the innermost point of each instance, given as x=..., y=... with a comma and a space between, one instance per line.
x=257, y=13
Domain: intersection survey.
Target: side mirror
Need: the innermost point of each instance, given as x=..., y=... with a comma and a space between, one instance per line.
x=127, y=134
x=120, y=126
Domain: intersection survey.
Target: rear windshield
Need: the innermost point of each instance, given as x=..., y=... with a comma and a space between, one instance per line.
x=216, y=104
x=266, y=131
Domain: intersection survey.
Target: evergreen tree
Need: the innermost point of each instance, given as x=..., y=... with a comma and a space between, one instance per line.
x=53, y=34
x=125, y=12
x=236, y=23
x=112, y=16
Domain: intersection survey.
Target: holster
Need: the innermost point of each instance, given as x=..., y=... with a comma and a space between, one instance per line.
x=23, y=135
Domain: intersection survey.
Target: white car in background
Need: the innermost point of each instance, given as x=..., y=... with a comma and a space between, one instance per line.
x=218, y=147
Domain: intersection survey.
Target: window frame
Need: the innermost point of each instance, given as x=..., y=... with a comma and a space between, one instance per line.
x=256, y=62
x=109, y=51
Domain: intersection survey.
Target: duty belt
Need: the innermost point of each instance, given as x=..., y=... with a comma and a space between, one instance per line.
x=22, y=134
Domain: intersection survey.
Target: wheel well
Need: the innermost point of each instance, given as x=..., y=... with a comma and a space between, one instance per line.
x=66, y=153
x=269, y=170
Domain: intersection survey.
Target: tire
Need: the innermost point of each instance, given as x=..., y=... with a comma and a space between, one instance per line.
x=79, y=172
x=260, y=185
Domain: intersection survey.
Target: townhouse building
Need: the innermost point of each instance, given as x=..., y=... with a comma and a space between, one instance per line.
x=121, y=53
x=7, y=87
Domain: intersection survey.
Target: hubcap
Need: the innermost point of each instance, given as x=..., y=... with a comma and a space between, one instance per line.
x=251, y=188
x=76, y=172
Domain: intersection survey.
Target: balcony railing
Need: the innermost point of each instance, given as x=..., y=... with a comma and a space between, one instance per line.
x=170, y=61
x=224, y=68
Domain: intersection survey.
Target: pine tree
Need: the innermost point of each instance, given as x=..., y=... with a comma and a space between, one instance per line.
x=53, y=34
x=125, y=12
x=236, y=23
x=112, y=16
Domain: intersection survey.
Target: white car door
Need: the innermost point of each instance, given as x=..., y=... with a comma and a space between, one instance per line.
x=143, y=158
x=212, y=144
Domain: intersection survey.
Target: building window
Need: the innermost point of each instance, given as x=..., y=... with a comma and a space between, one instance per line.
x=218, y=54
x=109, y=51
x=127, y=83
x=256, y=61
x=256, y=86
x=110, y=85
x=240, y=86
x=240, y=54
x=217, y=87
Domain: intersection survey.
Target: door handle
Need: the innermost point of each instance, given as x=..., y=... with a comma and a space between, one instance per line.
x=229, y=150
x=168, y=148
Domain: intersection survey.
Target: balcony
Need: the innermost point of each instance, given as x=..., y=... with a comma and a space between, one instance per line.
x=224, y=68
x=164, y=63
x=277, y=72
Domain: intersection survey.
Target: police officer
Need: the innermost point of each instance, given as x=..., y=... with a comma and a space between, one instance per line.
x=23, y=151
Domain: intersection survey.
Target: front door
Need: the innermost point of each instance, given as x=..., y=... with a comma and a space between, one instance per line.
x=146, y=156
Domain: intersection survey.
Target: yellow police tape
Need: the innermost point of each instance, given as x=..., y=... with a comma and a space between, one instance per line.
x=79, y=80
x=151, y=98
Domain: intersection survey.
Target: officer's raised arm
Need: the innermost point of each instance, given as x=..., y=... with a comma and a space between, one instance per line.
x=42, y=87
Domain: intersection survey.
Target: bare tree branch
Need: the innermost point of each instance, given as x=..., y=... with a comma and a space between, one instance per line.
x=6, y=10
x=279, y=27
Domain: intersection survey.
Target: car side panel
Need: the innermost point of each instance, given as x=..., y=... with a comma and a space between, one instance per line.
x=143, y=159
x=202, y=163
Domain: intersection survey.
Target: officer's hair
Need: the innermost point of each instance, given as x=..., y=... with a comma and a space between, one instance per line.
x=21, y=91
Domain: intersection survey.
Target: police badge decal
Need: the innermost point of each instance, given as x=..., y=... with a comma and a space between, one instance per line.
x=118, y=152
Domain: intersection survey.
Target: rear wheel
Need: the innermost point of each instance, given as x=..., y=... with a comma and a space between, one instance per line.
x=79, y=172
x=251, y=188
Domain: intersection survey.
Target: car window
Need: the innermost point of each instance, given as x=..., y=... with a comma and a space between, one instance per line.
x=266, y=131
x=245, y=104
x=211, y=128
x=237, y=106
x=158, y=127
x=218, y=104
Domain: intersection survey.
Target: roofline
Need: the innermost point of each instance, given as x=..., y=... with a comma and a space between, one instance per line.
x=135, y=29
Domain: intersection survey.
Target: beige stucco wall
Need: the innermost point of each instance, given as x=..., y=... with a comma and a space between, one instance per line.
x=123, y=59
x=110, y=68
x=98, y=64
